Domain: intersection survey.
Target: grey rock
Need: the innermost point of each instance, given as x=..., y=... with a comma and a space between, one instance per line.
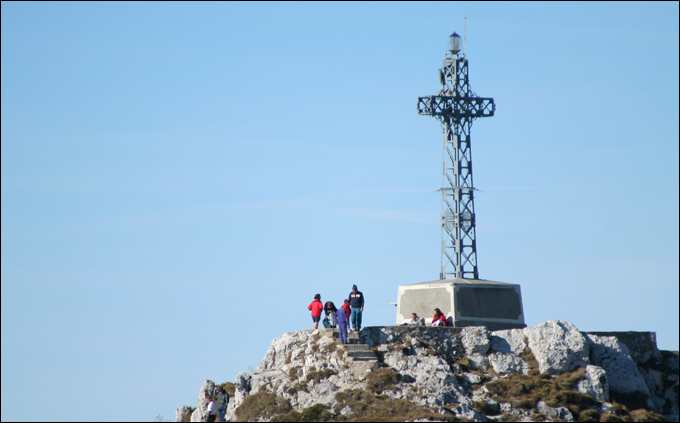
x=510, y=341
x=183, y=414
x=432, y=375
x=479, y=361
x=595, y=383
x=561, y=413
x=622, y=372
x=558, y=346
x=346, y=411
x=200, y=414
x=242, y=390
x=641, y=345
x=475, y=339
x=508, y=363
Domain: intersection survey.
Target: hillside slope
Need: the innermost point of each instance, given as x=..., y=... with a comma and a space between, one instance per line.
x=549, y=372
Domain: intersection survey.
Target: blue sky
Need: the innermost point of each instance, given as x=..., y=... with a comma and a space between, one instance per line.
x=180, y=179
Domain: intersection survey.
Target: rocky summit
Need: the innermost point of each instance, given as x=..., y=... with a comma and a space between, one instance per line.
x=548, y=372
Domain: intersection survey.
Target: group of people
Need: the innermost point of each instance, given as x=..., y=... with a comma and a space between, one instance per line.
x=439, y=319
x=349, y=313
x=221, y=407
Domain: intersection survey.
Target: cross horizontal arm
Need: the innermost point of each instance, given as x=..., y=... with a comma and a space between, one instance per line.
x=442, y=105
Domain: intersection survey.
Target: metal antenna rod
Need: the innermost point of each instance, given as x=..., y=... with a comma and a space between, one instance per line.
x=465, y=37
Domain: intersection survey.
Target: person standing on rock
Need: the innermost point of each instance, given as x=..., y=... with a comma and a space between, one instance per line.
x=356, y=304
x=212, y=409
x=222, y=402
x=342, y=320
x=345, y=308
x=316, y=306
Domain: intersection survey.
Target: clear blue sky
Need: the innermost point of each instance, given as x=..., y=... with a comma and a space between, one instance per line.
x=180, y=179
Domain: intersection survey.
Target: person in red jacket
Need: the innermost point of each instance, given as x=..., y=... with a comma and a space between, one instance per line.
x=439, y=319
x=346, y=308
x=316, y=306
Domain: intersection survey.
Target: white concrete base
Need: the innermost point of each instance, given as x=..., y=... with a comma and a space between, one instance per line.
x=465, y=302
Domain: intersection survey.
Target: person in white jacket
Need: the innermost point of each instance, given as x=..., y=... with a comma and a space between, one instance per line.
x=416, y=321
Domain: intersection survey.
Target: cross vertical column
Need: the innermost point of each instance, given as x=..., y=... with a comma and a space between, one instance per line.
x=456, y=107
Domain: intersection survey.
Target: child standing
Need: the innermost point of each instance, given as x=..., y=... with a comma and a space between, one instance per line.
x=316, y=308
x=342, y=319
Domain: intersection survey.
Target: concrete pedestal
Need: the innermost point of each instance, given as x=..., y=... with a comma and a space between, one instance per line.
x=465, y=302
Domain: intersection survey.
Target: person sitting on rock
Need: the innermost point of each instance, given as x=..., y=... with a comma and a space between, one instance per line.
x=330, y=310
x=415, y=320
x=439, y=319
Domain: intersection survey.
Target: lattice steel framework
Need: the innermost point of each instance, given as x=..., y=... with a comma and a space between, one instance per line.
x=456, y=106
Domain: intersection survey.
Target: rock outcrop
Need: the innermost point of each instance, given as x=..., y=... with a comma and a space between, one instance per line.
x=548, y=372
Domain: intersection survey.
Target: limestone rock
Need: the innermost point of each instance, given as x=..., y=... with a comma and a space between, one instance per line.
x=622, y=372
x=508, y=363
x=475, y=339
x=307, y=368
x=183, y=414
x=595, y=383
x=560, y=413
x=241, y=392
x=510, y=341
x=558, y=346
x=200, y=414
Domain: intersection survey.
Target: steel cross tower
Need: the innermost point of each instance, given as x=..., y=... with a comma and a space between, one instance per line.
x=456, y=106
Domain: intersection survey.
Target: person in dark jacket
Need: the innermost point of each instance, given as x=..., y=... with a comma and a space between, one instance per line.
x=356, y=304
x=316, y=306
x=222, y=403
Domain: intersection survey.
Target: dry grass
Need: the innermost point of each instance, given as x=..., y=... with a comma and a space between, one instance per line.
x=529, y=358
x=293, y=372
x=229, y=387
x=465, y=364
x=317, y=376
x=368, y=407
x=315, y=413
x=524, y=391
x=261, y=405
x=381, y=379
